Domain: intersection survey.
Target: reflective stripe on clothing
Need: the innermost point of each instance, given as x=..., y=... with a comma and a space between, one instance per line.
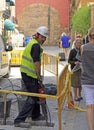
x=27, y=63
x=26, y=58
x=24, y=67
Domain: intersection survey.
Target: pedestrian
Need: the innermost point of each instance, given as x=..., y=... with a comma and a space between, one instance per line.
x=75, y=60
x=31, y=75
x=65, y=43
x=27, y=39
x=87, y=78
x=77, y=36
x=85, y=39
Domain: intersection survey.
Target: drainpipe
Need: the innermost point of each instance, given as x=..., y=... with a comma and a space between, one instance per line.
x=49, y=13
x=92, y=15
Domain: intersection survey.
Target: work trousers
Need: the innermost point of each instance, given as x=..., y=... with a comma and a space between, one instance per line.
x=31, y=105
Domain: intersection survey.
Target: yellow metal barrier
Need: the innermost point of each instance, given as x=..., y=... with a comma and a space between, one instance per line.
x=50, y=63
x=16, y=56
x=62, y=91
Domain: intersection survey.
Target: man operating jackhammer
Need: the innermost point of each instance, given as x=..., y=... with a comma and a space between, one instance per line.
x=31, y=74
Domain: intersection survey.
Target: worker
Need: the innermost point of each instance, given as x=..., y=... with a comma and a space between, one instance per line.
x=31, y=75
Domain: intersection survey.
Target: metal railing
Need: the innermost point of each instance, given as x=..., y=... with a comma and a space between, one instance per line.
x=50, y=63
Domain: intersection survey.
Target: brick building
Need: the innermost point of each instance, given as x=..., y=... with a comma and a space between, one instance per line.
x=55, y=14
x=90, y=3
x=86, y=2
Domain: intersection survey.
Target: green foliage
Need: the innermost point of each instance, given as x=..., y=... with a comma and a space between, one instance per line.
x=5, y=38
x=81, y=20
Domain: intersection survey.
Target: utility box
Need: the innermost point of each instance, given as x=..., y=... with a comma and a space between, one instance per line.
x=8, y=106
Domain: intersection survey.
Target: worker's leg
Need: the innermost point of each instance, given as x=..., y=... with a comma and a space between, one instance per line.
x=26, y=109
x=32, y=86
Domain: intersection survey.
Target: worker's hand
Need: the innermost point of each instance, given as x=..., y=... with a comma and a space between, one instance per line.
x=40, y=83
x=77, y=62
x=41, y=78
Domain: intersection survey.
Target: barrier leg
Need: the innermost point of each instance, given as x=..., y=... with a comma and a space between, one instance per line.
x=5, y=100
x=71, y=102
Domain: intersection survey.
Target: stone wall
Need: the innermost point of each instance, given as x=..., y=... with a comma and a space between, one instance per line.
x=36, y=15
x=84, y=2
x=53, y=14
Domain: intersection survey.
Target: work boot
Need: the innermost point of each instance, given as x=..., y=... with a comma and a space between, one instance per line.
x=22, y=125
x=41, y=117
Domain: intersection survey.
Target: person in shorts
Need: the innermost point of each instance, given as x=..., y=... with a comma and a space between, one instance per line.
x=87, y=78
x=65, y=43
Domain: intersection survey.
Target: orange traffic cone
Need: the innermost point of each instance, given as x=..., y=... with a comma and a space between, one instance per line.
x=71, y=102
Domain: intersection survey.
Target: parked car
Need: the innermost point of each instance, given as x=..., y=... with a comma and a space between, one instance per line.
x=4, y=58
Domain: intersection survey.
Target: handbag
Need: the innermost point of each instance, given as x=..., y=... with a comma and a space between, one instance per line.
x=76, y=67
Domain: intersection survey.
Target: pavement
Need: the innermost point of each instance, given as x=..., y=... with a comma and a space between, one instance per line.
x=72, y=119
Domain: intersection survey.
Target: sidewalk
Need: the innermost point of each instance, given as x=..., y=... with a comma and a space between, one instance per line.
x=72, y=119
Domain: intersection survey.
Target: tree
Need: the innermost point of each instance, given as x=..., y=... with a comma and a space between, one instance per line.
x=81, y=20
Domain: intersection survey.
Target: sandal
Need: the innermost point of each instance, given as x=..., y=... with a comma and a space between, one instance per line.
x=80, y=98
x=77, y=99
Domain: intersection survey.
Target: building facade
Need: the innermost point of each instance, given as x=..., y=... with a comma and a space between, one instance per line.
x=55, y=14
x=86, y=2
x=2, y=8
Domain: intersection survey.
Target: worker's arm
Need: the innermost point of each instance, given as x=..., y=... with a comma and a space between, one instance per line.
x=36, y=58
x=38, y=69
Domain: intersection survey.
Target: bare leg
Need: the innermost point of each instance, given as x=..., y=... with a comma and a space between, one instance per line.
x=90, y=116
x=75, y=93
x=64, y=50
x=79, y=91
x=67, y=52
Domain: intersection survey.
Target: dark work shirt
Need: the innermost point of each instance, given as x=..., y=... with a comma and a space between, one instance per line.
x=35, y=52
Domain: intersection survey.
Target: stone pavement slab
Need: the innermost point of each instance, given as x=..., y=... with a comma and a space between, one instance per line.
x=72, y=119
x=8, y=127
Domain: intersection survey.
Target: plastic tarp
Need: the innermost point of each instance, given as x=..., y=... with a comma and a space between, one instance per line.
x=9, y=25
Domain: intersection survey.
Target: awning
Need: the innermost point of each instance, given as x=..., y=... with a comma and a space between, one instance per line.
x=9, y=25
x=12, y=2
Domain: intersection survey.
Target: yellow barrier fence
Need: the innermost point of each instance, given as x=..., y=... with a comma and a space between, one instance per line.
x=16, y=56
x=62, y=91
x=50, y=63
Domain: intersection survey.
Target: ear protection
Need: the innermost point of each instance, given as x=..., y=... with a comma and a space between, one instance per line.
x=36, y=35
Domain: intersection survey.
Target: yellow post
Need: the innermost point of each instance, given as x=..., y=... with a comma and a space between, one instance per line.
x=57, y=70
x=59, y=116
x=5, y=100
x=43, y=59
